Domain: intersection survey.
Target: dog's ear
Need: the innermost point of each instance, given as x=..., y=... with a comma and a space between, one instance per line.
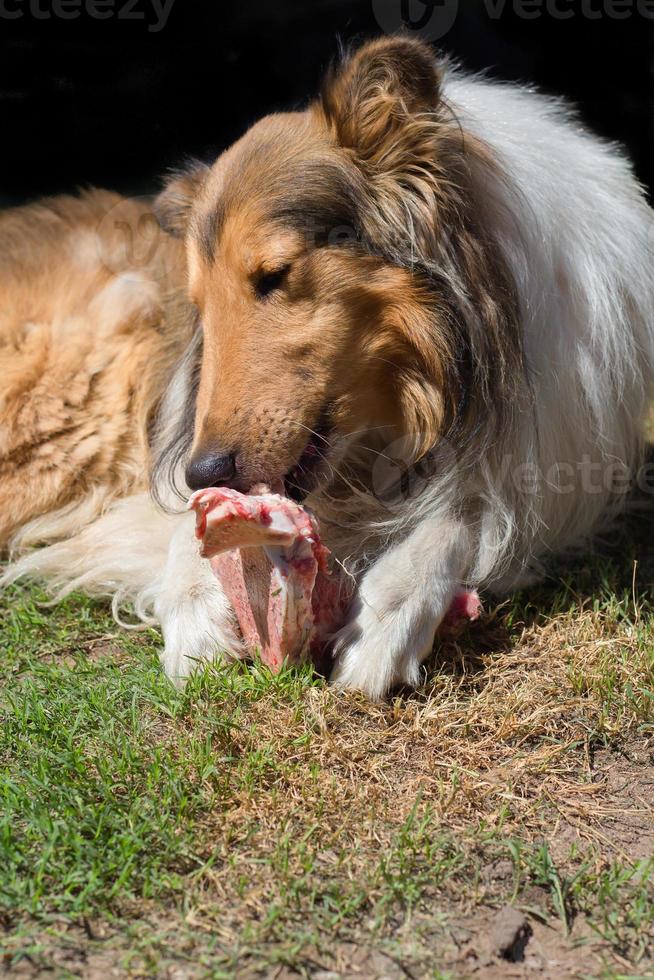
x=373, y=99
x=173, y=205
x=383, y=107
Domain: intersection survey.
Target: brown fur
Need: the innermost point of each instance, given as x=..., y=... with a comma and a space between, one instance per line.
x=91, y=323
x=392, y=311
x=391, y=314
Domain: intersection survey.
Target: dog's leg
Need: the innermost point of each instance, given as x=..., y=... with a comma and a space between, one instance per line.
x=401, y=601
x=196, y=618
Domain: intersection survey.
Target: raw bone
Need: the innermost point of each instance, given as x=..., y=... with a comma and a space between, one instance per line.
x=266, y=551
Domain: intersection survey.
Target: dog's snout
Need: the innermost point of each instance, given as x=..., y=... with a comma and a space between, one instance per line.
x=211, y=469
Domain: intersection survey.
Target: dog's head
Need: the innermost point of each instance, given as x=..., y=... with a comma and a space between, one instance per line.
x=321, y=324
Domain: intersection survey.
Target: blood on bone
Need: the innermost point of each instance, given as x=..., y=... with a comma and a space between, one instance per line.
x=266, y=551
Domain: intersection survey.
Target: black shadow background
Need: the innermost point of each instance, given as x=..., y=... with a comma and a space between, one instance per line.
x=114, y=103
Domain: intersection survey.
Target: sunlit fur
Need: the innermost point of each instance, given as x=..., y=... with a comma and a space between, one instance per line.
x=92, y=321
x=485, y=318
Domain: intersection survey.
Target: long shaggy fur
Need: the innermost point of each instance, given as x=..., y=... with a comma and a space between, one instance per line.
x=507, y=256
x=92, y=321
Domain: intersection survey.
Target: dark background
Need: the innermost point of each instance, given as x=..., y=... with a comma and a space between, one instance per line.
x=114, y=103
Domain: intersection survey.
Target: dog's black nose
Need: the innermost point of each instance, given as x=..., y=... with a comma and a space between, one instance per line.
x=211, y=470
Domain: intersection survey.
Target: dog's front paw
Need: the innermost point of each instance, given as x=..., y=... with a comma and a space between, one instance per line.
x=197, y=629
x=375, y=651
x=197, y=621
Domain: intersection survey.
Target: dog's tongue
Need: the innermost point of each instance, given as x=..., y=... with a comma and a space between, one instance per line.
x=266, y=551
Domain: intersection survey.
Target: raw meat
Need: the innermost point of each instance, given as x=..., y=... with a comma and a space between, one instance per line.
x=465, y=605
x=267, y=553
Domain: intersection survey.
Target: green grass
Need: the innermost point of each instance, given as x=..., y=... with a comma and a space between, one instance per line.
x=257, y=820
x=93, y=807
x=106, y=767
x=620, y=901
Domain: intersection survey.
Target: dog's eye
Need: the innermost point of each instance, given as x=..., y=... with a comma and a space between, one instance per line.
x=268, y=282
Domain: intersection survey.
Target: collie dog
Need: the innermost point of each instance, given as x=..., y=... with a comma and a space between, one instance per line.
x=424, y=305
